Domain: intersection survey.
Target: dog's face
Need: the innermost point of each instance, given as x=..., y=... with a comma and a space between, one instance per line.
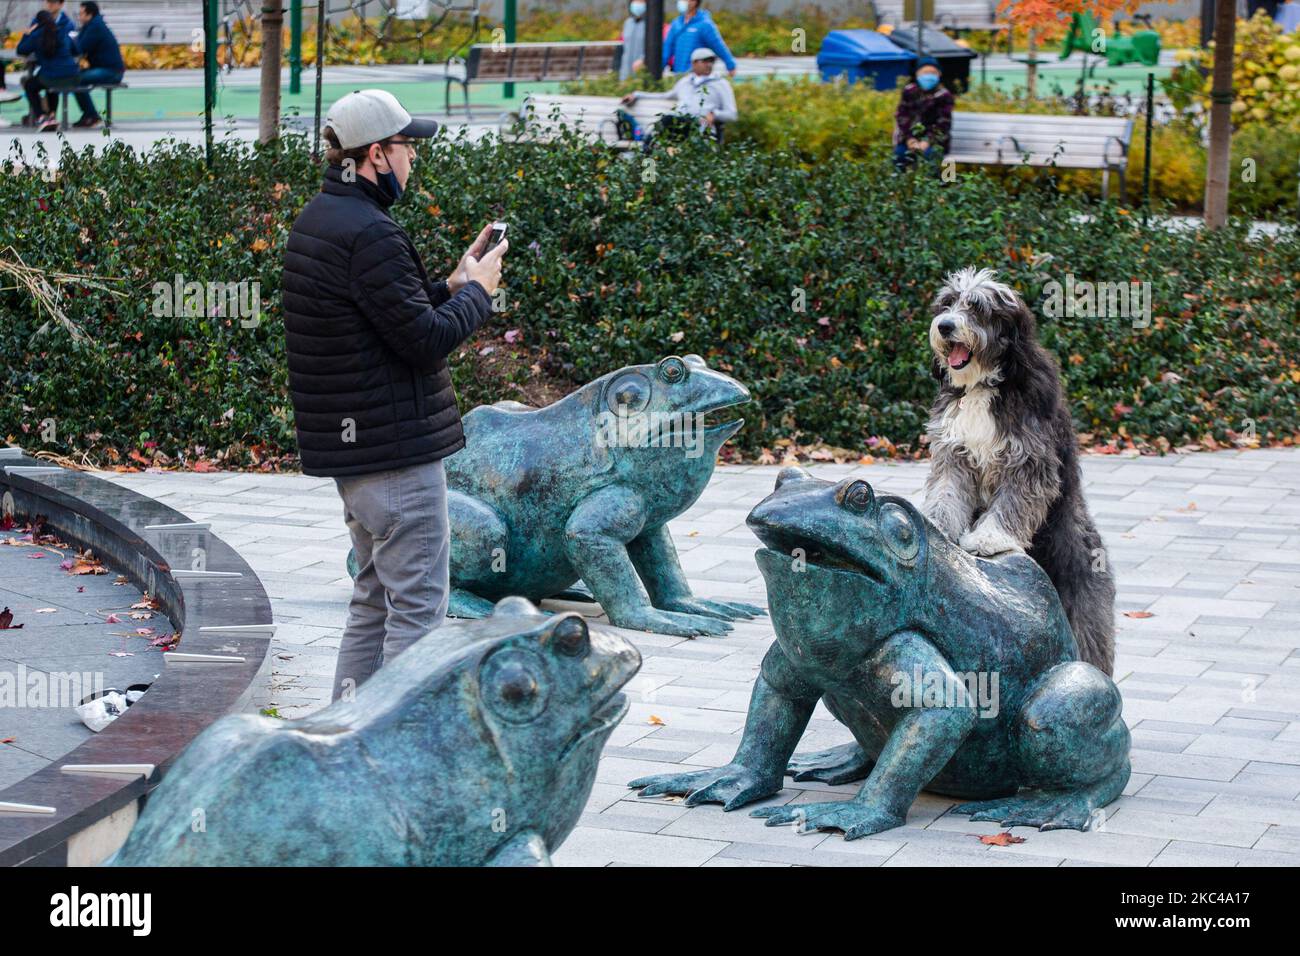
x=977, y=320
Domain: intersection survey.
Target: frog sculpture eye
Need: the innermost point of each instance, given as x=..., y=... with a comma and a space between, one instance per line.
x=570, y=637
x=629, y=393
x=673, y=370
x=900, y=533
x=513, y=685
x=855, y=496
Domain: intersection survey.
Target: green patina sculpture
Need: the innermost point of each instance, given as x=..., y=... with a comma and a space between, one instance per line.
x=583, y=490
x=955, y=673
x=477, y=746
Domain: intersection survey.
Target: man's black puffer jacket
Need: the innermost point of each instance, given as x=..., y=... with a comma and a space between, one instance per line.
x=368, y=337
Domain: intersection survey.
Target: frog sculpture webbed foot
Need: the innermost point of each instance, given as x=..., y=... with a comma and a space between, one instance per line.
x=1050, y=809
x=732, y=786
x=853, y=818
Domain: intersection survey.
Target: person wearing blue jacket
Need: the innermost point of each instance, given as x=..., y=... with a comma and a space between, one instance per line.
x=55, y=7
x=96, y=43
x=693, y=29
x=56, y=66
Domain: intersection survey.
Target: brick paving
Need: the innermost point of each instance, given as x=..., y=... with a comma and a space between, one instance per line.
x=1208, y=543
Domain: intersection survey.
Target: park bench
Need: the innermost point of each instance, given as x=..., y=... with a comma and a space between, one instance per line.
x=1068, y=142
x=959, y=15
x=108, y=89
x=545, y=116
x=531, y=63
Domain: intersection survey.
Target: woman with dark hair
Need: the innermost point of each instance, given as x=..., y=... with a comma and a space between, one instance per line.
x=56, y=68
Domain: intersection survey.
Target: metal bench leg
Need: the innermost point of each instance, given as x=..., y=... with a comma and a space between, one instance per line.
x=465, y=89
x=63, y=124
x=108, y=109
x=1105, y=184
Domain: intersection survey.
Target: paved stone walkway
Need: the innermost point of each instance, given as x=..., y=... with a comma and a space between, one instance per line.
x=60, y=648
x=1209, y=544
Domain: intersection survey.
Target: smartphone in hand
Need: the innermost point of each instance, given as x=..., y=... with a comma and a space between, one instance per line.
x=494, y=238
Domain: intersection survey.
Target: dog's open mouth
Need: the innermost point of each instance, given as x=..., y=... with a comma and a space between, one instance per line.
x=958, y=356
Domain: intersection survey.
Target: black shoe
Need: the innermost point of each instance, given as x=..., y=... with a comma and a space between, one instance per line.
x=51, y=124
x=87, y=122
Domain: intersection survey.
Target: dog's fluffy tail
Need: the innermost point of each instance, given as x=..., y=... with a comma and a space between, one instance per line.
x=1070, y=550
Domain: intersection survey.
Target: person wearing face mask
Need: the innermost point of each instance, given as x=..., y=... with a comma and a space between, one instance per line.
x=694, y=28
x=368, y=336
x=923, y=120
x=633, y=40
x=703, y=100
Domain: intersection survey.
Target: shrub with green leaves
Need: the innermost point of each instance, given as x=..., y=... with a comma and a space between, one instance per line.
x=808, y=282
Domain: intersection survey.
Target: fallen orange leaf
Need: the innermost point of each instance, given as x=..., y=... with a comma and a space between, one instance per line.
x=1138, y=614
x=1000, y=839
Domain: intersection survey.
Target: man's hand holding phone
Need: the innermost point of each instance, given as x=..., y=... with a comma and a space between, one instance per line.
x=480, y=264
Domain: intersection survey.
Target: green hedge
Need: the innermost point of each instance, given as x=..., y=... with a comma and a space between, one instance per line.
x=615, y=261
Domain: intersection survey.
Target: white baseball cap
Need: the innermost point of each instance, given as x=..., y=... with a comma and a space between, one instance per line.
x=368, y=116
x=703, y=53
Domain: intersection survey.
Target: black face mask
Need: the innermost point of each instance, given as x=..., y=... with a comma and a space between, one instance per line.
x=388, y=182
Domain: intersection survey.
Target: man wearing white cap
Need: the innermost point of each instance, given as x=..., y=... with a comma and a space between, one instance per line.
x=701, y=98
x=368, y=334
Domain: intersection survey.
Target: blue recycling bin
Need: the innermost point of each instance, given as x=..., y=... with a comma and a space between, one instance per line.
x=863, y=54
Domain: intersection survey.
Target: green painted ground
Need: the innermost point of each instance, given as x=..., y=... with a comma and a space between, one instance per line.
x=1121, y=80
x=428, y=96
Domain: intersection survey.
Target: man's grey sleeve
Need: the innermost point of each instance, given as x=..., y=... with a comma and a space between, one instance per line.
x=726, y=111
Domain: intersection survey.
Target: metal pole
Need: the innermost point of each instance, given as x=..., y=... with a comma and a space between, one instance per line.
x=1146, y=153
x=654, y=38
x=320, y=69
x=1207, y=22
x=210, y=14
x=510, y=25
x=295, y=46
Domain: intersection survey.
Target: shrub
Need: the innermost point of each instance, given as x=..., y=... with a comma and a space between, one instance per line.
x=614, y=261
x=1265, y=77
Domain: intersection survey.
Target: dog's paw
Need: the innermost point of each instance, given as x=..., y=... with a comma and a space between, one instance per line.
x=988, y=541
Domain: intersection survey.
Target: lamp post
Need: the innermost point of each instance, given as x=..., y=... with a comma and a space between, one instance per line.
x=295, y=46
x=654, y=38
x=210, y=14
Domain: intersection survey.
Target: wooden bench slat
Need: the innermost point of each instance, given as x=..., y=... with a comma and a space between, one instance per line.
x=1067, y=142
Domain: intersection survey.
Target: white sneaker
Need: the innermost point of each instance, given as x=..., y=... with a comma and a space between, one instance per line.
x=8, y=96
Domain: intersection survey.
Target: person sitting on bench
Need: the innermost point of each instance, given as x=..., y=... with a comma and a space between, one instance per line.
x=703, y=100
x=96, y=43
x=923, y=120
x=56, y=67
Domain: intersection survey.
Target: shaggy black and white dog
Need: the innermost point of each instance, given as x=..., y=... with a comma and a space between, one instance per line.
x=1004, y=471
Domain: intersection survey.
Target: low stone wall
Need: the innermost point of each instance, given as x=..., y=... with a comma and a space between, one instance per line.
x=213, y=599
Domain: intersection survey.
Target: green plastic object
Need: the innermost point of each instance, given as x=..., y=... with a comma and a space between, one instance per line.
x=1141, y=47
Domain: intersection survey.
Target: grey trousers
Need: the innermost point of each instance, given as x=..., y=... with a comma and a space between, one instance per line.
x=402, y=538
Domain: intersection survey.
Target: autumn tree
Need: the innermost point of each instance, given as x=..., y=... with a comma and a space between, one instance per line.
x=1038, y=15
